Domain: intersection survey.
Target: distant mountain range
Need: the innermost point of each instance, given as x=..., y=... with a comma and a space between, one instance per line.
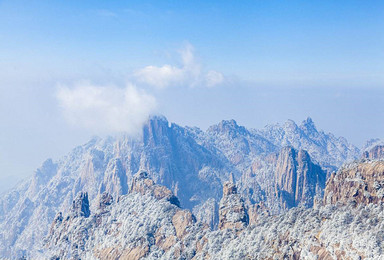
x=274, y=169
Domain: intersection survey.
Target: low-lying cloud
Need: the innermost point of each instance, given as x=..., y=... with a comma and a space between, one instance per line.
x=189, y=73
x=106, y=109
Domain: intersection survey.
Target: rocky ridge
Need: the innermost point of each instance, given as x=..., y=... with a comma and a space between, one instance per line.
x=193, y=164
x=169, y=232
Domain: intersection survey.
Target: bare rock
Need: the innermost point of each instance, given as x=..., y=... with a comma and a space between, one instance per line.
x=361, y=183
x=182, y=220
x=232, y=212
x=297, y=178
x=142, y=184
x=377, y=152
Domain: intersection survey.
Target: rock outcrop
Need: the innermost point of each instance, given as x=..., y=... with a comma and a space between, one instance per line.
x=142, y=184
x=232, y=212
x=80, y=205
x=145, y=220
x=298, y=180
x=359, y=182
x=105, y=200
x=376, y=152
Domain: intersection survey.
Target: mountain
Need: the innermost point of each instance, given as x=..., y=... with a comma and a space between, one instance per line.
x=145, y=224
x=191, y=163
x=325, y=149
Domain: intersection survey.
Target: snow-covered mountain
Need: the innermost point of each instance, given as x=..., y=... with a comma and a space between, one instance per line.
x=192, y=163
x=325, y=149
x=148, y=224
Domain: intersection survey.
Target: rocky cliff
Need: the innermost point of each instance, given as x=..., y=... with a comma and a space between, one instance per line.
x=359, y=183
x=298, y=180
x=376, y=152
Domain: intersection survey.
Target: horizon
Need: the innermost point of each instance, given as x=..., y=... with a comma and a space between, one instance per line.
x=70, y=71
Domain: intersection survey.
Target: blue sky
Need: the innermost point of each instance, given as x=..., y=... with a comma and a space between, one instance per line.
x=196, y=62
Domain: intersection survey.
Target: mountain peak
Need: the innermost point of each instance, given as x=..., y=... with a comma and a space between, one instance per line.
x=157, y=119
x=229, y=123
x=290, y=124
x=308, y=124
x=227, y=126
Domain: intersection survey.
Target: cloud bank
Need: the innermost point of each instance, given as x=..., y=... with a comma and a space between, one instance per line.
x=189, y=73
x=111, y=109
x=106, y=109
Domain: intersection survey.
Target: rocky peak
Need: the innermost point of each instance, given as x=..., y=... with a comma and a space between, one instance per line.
x=228, y=127
x=155, y=129
x=80, y=205
x=308, y=126
x=377, y=152
x=229, y=188
x=142, y=184
x=291, y=126
x=297, y=178
x=372, y=143
x=360, y=183
x=105, y=199
x=232, y=212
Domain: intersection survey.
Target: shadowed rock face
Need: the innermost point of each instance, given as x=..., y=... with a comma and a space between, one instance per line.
x=297, y=179
x=80, y=206
x=376, y=152
x=361, y=183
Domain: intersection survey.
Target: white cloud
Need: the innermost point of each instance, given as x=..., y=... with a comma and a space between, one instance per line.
x=214, y=78
x=189, y=73
x=106, y=108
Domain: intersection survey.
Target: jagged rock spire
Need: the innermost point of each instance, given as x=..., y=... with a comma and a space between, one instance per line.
x=232, y=212
x=80, y=205
x=231, y=178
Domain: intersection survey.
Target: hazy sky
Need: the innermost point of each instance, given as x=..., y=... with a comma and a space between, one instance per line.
x=73, y=69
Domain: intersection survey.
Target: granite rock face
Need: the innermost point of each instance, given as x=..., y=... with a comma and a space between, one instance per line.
x=359, y=183
x=232, y=211
x=142, y=184
x=298, y=180
x=377, y=152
